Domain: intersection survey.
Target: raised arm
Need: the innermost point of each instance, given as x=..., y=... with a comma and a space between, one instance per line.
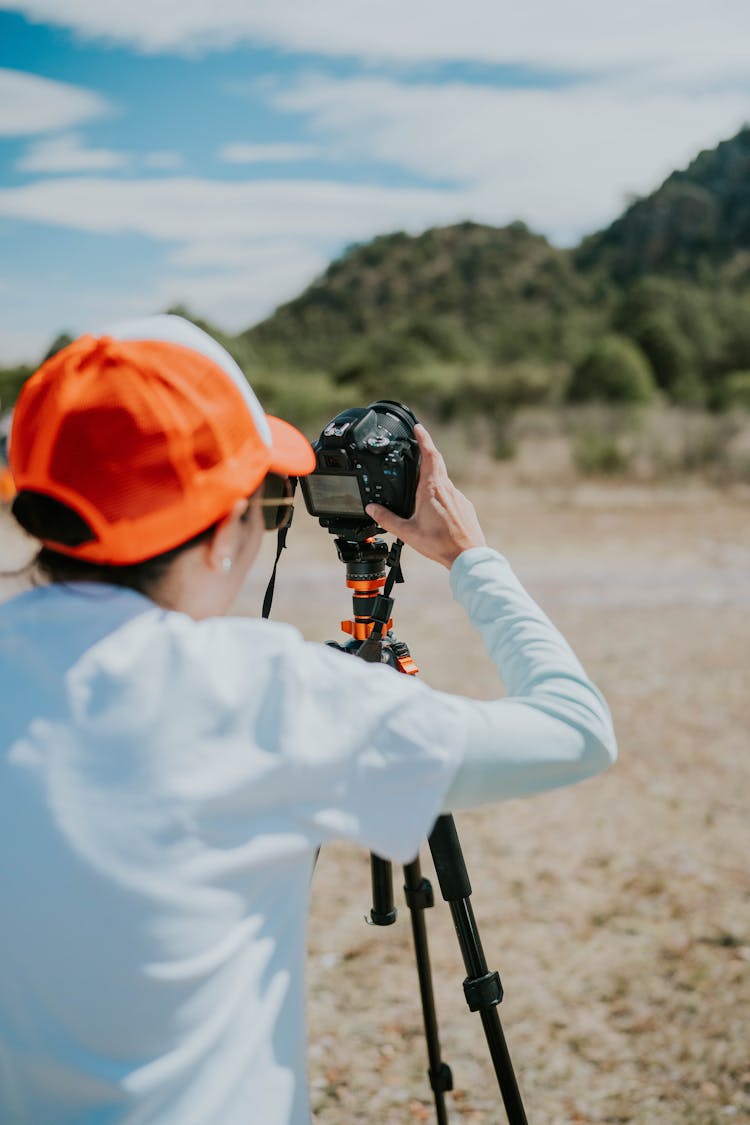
x=554, y=727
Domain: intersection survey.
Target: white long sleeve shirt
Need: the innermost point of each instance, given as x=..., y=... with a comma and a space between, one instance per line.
x=164, y=786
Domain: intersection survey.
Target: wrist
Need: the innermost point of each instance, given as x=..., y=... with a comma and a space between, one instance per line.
x=460, y=548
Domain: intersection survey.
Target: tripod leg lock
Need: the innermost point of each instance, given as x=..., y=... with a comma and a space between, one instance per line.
x=483, y=992
x=420, y=897
x=441, y=1079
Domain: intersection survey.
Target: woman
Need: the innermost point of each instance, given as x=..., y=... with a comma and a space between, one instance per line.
x=169, y=772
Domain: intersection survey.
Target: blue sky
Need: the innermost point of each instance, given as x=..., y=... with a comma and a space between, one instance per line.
x=153, y=153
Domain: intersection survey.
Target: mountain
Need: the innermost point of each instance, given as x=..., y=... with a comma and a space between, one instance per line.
x=455, y=291
x=478, y=318
x=471, y=313
x=696, y=225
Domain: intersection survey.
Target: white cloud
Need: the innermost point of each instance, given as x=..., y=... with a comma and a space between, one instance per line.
x=580, y=33
x=35, y=313
x=274, y=153
x=237, y=283
x=68, y=153
x=30, y=104
x=233, y=286
x=235, y=250
x=184, y=209
x=260, y=254
x=561, y=160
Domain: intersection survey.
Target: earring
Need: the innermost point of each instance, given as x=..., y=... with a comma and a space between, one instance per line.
x=226, y=564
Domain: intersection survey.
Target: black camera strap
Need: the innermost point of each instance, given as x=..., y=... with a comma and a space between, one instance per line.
x=280, y=545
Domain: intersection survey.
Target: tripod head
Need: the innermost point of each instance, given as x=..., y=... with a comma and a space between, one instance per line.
x=366, y=562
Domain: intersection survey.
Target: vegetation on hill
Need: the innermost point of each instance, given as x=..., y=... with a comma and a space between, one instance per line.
x=11, y=381
x=471, y=319
x=476, y=318
x=695, y=226
x=459, y=318
x=459, y=292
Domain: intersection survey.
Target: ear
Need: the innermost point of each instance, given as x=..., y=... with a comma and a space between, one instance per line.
x=223, y=543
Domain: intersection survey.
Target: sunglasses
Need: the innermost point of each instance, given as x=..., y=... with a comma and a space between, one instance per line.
x=277, y=502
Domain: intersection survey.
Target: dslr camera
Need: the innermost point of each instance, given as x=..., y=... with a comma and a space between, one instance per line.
x=365, y=455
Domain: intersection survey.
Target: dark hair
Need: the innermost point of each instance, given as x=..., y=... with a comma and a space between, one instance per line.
x=46, y=518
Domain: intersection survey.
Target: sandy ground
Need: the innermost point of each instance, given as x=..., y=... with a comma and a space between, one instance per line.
x=617, y=911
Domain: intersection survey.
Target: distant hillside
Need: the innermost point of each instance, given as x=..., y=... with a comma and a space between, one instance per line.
x=472, y=314
x=454, y=290
x=478, y=319
x=696, y=225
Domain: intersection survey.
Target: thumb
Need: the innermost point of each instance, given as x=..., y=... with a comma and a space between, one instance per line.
x=387, y=519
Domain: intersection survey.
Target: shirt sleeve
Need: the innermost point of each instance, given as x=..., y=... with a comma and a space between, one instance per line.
x=554, y=726
x=379, y=755
x=372, y=751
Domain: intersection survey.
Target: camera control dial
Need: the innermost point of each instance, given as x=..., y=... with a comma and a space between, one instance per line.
x=378, y=442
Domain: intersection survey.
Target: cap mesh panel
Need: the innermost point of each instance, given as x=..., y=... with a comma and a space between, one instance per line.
x=110, y=438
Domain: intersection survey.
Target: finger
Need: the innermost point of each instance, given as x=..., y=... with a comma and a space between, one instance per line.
x=432, y=471
x=387, y=519
x=430, y=452
x=427, y=446
x=424, y=437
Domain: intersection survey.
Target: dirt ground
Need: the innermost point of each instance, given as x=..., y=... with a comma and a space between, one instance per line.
x=617, y=911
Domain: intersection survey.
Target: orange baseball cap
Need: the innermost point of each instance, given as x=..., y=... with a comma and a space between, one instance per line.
x=150, y=432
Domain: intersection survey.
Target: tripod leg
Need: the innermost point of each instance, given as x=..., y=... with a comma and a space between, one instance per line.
x=482, y=987
x=383, y=911
x=419, y=897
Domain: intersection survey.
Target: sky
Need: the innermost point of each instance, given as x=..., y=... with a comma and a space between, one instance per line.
x=219, y=153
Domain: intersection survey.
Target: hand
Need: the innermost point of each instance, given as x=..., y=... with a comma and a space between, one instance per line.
x=444, y=522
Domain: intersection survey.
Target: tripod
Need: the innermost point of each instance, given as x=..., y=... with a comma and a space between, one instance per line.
x=372, y=640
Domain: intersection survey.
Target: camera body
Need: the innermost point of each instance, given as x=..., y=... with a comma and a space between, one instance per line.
x=364, y=455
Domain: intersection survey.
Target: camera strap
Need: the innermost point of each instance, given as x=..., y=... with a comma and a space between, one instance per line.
x=280, y=545
x=281, y=542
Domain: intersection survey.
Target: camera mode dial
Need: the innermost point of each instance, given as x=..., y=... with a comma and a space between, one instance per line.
x=378, y=442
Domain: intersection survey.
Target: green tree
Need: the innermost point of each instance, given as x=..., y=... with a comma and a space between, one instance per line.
x=734, y=391
x=614, y=370
x=670, y=355
x=57, y=345
x=677, y=328
x=11, y=381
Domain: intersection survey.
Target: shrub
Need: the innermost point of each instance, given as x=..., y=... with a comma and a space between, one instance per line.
x=734, y=391
x=504, y=443
x=525, y=383
x=682, y=330
x=308, y=399
x=489, y=390
x=596, y=453
x=670, y=355
x=614, y=370
x=57, y=345
x=11, y=381
x=433, y=387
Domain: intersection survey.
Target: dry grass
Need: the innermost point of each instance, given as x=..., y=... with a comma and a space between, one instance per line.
x=617, y=911
x=658, y=444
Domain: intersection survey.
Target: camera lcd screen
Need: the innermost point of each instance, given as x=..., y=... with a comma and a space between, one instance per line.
x=334, y=495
